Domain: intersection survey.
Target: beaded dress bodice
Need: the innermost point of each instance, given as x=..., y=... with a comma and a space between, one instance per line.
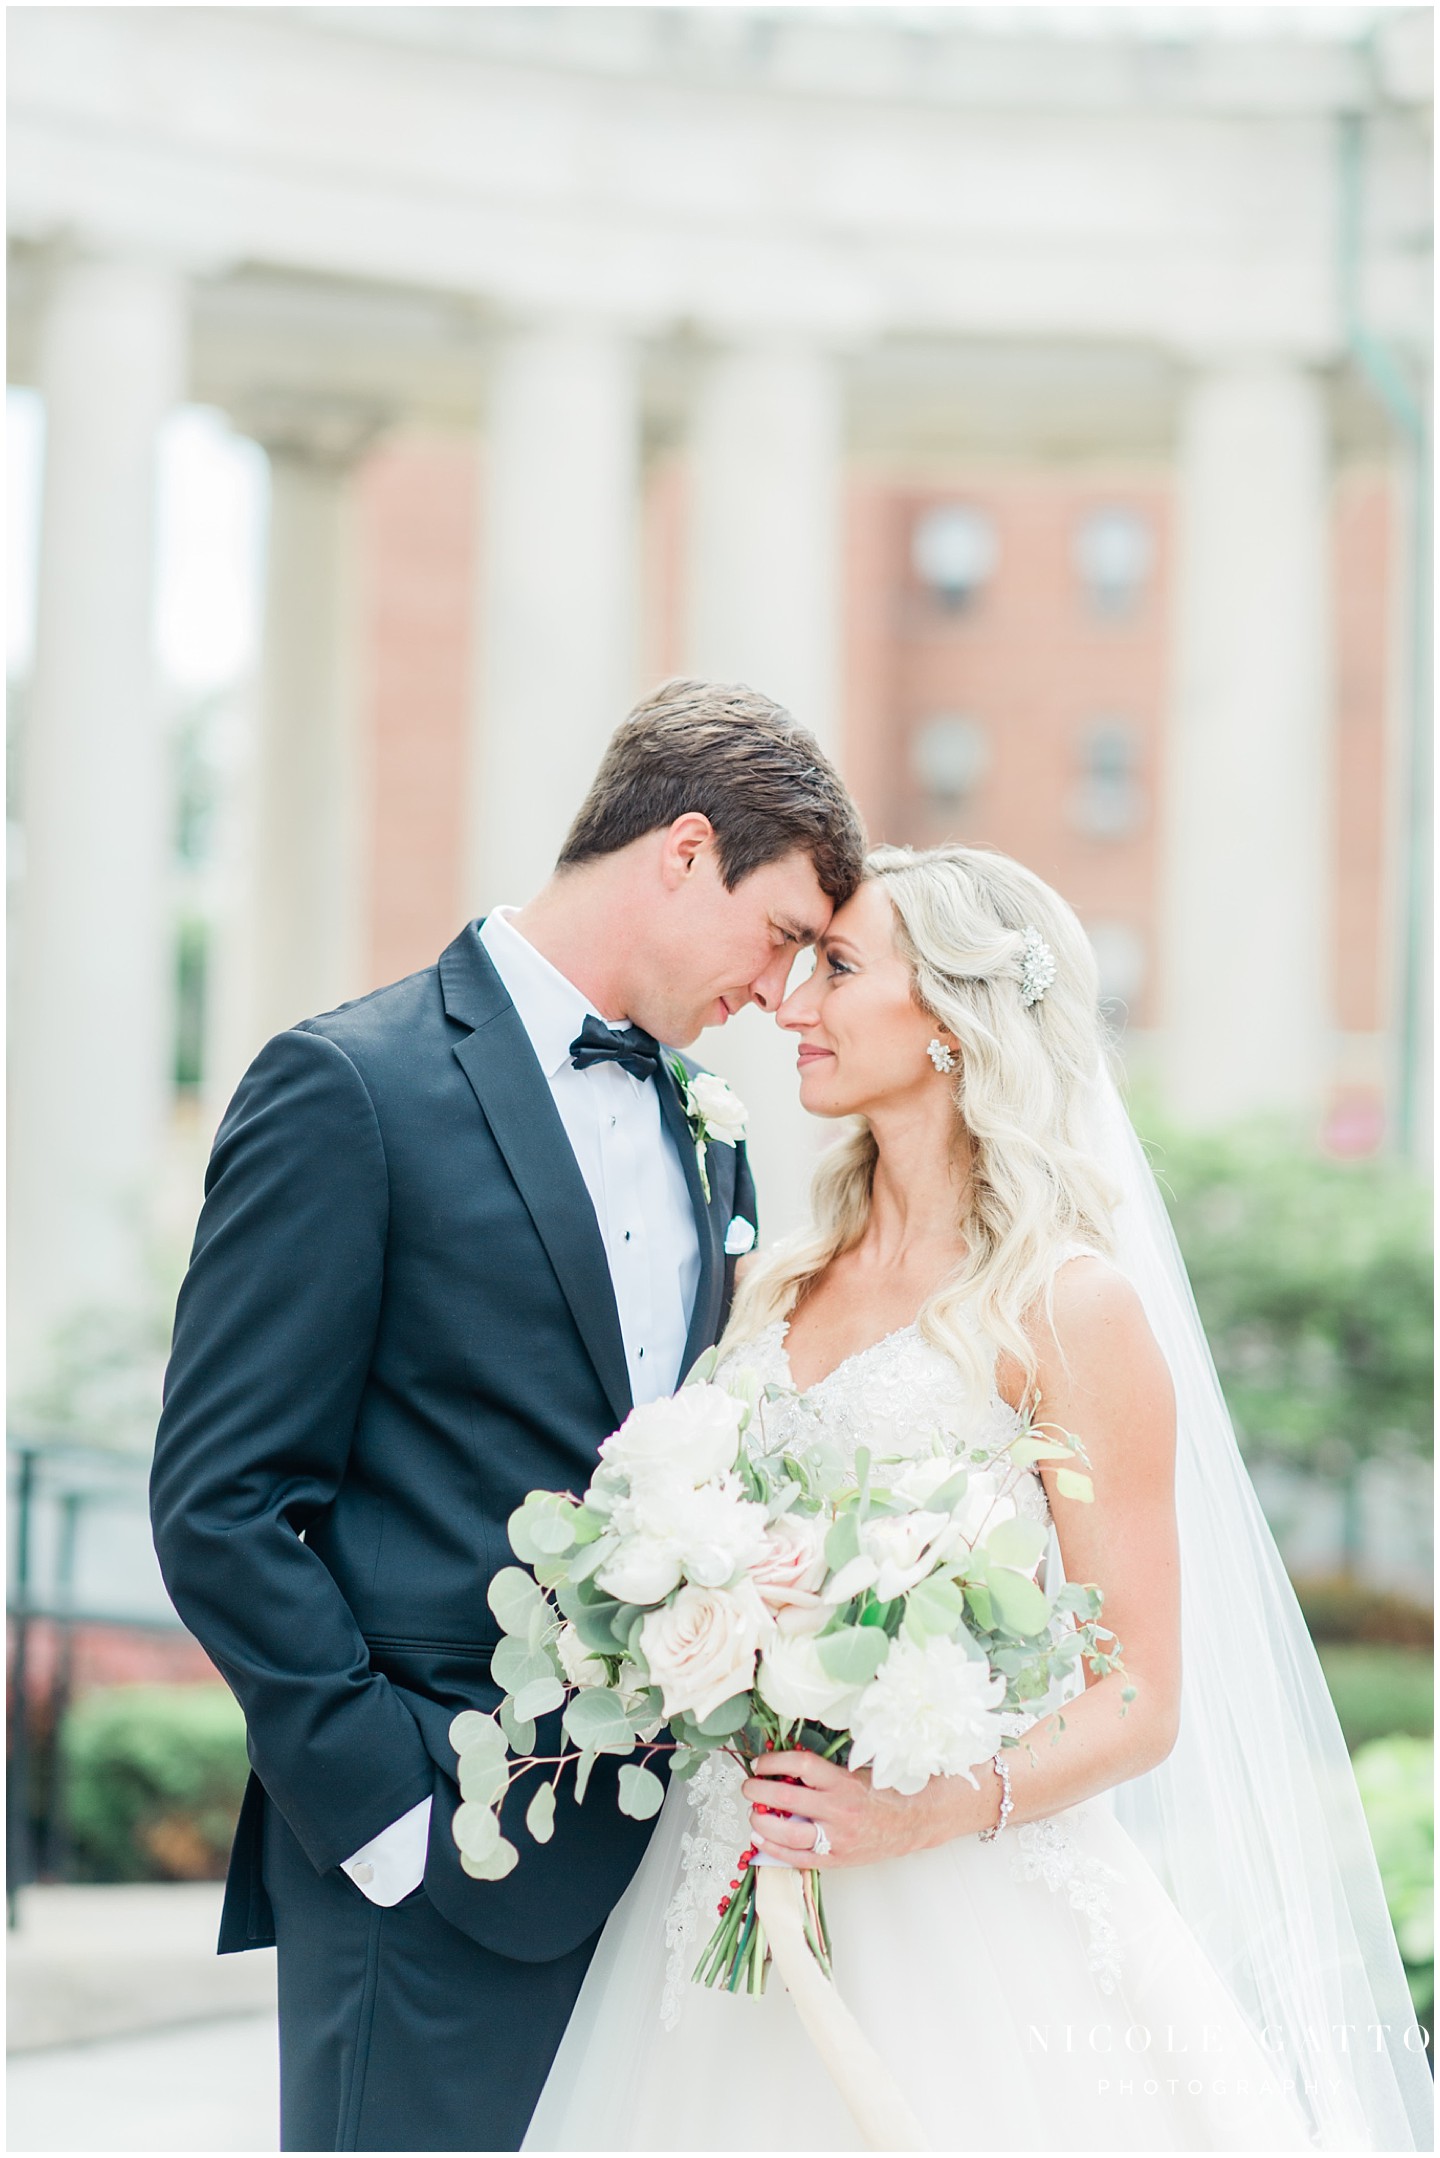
x=900, y=1397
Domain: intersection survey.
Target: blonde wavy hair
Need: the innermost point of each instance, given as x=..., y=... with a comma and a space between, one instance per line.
x=1025, y=1072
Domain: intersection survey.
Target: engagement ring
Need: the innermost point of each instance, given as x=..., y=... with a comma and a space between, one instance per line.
x=821, y=1845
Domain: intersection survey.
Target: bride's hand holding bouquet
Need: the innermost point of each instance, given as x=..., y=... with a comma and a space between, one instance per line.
x=859, y=1627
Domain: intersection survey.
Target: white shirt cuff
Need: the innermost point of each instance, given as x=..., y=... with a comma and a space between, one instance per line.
x=391, y=1864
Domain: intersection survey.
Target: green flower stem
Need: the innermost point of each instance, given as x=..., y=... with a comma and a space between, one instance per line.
x=748, y=1929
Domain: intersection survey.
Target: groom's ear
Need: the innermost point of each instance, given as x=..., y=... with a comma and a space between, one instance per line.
x=682, y=845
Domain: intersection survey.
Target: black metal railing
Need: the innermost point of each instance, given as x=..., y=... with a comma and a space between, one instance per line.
x=80, y=1556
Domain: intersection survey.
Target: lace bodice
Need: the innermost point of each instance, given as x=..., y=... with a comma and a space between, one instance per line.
x=901, y=1396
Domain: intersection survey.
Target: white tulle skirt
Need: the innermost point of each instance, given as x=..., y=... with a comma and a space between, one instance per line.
x=1040, y=1992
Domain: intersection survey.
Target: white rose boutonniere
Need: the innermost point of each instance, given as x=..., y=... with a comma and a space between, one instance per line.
x=712, y=1112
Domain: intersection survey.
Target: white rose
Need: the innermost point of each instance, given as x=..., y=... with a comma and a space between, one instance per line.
x=694, y=1434
x=711, y=1533
x=720, y=1532
x=796, y=1684
x=723, y=1113
x=701, y=1648
x=790, y=1569
x=931, y=1711
x=896, y=1551
x=920, y=1478
x=643, y=1571
x=580, y=1666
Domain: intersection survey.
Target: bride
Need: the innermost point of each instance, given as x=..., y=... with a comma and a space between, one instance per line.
x=1161, y=1928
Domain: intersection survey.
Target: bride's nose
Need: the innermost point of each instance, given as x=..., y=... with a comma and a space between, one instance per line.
x=798, y=1010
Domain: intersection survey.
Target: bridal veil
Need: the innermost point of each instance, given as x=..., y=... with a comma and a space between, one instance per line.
x=1254, y=1823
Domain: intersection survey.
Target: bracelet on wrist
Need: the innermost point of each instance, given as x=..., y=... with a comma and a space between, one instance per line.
x=1007, y=1805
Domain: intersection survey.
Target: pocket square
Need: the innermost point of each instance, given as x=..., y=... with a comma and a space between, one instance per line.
x=739, y=1237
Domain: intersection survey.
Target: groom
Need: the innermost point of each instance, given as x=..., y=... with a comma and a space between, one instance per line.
x=452, y=1233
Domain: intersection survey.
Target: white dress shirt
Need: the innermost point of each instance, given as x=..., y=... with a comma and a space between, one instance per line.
x=636, y=1182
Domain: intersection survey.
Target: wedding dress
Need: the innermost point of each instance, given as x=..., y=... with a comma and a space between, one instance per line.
x=1038, y=1992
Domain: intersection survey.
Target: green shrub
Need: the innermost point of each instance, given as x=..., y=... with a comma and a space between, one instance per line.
x=1338, y=1608
x=1313, y=1278
x=1378, y=1691
x=1396, y=1777
x=153, y=1781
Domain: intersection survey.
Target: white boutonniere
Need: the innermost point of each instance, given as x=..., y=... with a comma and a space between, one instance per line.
x=711, y=1110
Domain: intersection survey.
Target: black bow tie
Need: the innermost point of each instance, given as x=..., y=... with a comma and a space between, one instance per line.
x=596, y=1043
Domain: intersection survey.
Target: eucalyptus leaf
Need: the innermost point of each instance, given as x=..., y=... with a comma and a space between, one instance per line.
x=470, y=1728
x=552, y=1532
x=515, y=1665
x=1024, y=1453
x=853, y=1655
x=586, y=1526
x=730, y=1716
x=843, y=1542
x=540, y=1813
x=538, y=1698
x=520, y=1730
x=702, y=1371
x=933, y=1609
x=1022, y=1607
x=982, y=1608
x=684, y=1762
x=483, y=1779
x=502, y=1860
x=593, y=1557
x=517, y=1528
x=595, y=1721
x=550, y=1572
x=596, y=1624
x=476, y=1830
x=1016, y=1543
x=1071, y=1484
x=642, y=1794
x=512, y=1596
x=582, y=1773
x=949, y=1493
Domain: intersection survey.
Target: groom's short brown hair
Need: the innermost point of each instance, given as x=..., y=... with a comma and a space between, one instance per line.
x=735, y=757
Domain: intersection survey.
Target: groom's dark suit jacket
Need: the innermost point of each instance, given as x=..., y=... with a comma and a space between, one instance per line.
x=398, y=1320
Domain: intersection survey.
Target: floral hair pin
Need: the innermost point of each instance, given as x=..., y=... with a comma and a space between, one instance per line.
x=1037, y=968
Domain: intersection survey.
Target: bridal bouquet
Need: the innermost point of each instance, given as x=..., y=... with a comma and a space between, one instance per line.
x=883, y=1612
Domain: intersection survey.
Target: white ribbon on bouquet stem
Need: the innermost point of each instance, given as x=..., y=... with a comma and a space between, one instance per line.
x=880, y=2108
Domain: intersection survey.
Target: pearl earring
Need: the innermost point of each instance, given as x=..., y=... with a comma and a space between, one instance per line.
x=942, y=1058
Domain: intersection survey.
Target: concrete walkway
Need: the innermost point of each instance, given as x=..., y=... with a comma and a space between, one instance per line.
x=204, y=2087
x=93, y=1963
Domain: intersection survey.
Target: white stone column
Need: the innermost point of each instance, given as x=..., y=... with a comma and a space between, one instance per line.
x=764, y=608
x=556, y=613
x=765, y=528
x=1246, y=912
x=92, y=1040
x=309, y=784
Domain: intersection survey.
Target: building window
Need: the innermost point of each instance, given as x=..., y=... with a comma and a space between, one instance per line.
x=949, y=756
x=1123, y=963
x=1114, y=554
x=1108, y=802
x=954, y=550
